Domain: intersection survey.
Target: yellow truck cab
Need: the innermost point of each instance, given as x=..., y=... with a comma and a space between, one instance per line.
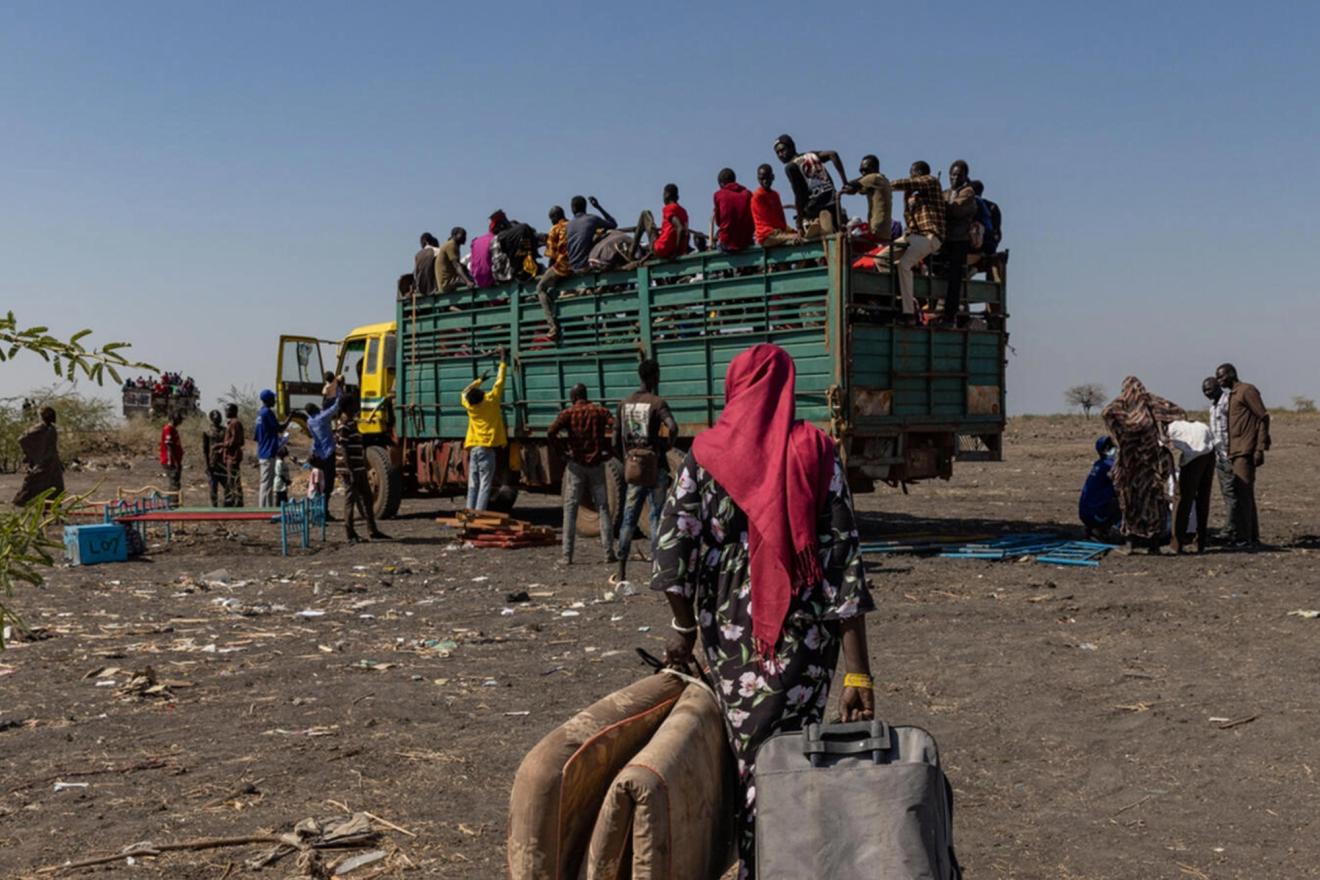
x=365, y=360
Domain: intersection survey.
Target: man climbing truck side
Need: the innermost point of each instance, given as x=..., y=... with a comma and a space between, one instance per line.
x=903, y=402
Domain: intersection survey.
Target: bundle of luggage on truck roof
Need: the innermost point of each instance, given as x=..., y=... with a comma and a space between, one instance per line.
x=956, y=225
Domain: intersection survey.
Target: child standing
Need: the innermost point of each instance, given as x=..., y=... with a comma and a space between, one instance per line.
x=282, y=475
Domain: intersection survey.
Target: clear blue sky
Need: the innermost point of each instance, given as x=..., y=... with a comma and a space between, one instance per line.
x=196, y=178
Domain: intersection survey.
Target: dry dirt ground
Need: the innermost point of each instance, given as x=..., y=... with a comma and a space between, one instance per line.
x=1076, y=709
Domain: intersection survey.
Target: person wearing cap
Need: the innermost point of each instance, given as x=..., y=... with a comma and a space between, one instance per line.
x=267, y=433
x=1098, y=506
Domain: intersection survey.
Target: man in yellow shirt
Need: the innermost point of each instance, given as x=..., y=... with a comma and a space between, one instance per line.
x=485, y=435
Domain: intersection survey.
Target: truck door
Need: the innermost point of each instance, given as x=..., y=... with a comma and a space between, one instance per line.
x=299, y=375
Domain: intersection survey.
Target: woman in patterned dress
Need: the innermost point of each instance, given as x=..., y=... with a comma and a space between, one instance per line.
x=758, y=552
x=1139, y=421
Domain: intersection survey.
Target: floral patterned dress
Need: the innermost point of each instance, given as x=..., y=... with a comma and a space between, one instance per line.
x=702, y=555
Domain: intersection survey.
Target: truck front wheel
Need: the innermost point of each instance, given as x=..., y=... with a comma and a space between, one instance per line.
x=386, y=482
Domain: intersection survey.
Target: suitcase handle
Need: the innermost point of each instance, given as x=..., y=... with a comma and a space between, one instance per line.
x=852, y=738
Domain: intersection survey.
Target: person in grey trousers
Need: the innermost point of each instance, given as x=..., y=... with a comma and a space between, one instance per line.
x=586, y=445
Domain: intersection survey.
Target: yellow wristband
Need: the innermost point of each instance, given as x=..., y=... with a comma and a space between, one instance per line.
x=858, y=680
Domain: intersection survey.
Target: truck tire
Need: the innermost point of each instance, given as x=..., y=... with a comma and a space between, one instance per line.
x=386, y=482
x=504, y=498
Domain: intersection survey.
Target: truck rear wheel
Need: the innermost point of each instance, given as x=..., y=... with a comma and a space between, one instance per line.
x=386, y=482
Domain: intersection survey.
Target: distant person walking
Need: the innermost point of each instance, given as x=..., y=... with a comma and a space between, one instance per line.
x=1248, y=441
x=41, y=454
x=213, y=439
x=171, y=455
x=644, y=451
x=1195, y=445
x=1139, y=421
x=267, y=433
x=231, y=456
x=486, y=435
x=587, y=448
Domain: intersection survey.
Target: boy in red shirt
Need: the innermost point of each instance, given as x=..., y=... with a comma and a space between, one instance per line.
x=671, y=239
x=771, y=226
x=171, y=453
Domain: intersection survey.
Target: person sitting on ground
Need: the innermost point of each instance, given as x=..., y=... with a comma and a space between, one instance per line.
x=40, y=445
x=450, y=273
x=213, y=439
x=959, y=214
x=352, y=466
x=1098, y=505
x=1195, y=444
x=814, y=195
x=759, y=554
x=582, y=229
x=1139, y=422
x=171, y=454
x=282, y=478
x=424, y=265
x=879, y=201
x=644, y=451
x=557, y=267
x=486, y=435
x=670, y=239
x=735, y=229
x=231, y=456
x=923, y=217
x=586, y=449
x=771, y=227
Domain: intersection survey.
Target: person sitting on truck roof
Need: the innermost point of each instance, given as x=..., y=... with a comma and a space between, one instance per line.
x=517, y=243
x=733, y=214
x=959, y=212
x=582, y=229
x=879, y=201
x=406, y=286
x=923, y=215
x=485, y=435
x=557, y=269
x=424, y=265
x=670, y=239
x=480, y=261
x=771, y=227
x=814, y=194
x=449, y=269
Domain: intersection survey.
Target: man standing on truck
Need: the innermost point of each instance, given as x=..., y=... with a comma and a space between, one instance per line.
x=424, y=265
x=879, y=200
x=352, y=461
x=959, y=212
x=557, y=267
x=772, y=227
x=587, y=448
x=582, y=229
x=813, y=189
x=923, y=217
x=449, y=269
x=231, y=456
x=171, y=454
x=644, y=452
x=485, y=435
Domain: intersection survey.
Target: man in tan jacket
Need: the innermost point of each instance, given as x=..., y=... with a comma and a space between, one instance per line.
x=1248, y=441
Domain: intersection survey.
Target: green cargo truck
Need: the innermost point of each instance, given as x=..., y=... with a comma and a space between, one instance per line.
x=903, y=402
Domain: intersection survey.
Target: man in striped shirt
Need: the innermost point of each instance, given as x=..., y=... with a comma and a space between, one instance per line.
x=352, y=461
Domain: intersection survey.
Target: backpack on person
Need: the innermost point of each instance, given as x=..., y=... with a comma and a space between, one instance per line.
x=853, y=802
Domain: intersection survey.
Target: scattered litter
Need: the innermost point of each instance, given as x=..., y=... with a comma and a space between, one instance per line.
x=359, y=861
x=569, y=613
x=1304, y=613
x=479, y=579
x=310, y=614
x=615, y=618
x=440, y=681
x=65, y=786
x=490, y=683
x=506, y=612
x=318, y=730
x=518, y=596
x=373, y=665
x=523, y=714
x=1087, y=646
x=643, y=629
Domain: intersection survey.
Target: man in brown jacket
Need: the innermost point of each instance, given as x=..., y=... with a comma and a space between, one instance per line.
x=959, y=212
x=1248, y=441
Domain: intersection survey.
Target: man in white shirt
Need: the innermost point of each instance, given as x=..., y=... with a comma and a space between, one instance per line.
x=1195, y=444
x=1223, y=464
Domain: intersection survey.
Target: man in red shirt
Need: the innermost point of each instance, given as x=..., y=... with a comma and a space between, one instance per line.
x=671, y=239
x=171, y=453
x=733, y=214
x=771, y=226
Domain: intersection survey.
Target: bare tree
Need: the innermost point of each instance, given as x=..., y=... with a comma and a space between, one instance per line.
x=1303, y=404
x=1087, y=397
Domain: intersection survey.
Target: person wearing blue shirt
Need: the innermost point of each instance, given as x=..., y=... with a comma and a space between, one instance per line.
x=267, y=434
x=321, y=427
x=1098, y=506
